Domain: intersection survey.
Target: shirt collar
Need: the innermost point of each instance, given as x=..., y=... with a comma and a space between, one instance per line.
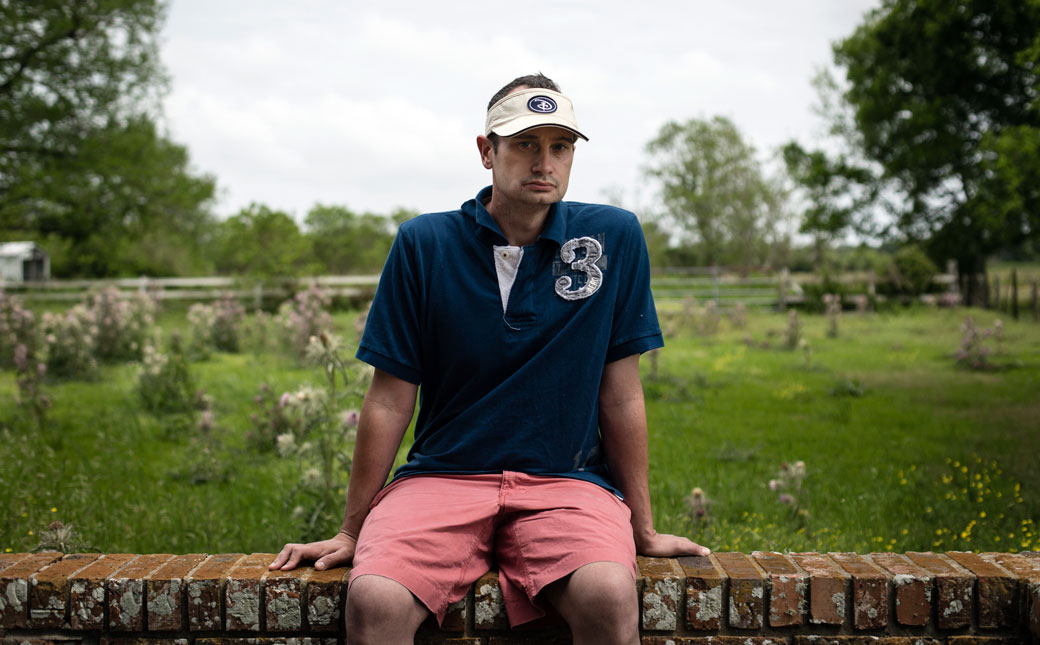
x=555, y=226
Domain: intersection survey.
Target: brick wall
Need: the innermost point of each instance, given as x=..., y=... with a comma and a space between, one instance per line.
x=797, y=599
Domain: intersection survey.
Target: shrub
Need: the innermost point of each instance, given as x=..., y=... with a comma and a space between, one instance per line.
x=17, y=328
x=163, y=380
x=216, y=326
x=122, y=323
x=304, y=317
x=70, y=340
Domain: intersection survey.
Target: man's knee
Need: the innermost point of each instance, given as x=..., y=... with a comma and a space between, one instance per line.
x=380, y=607
x=598, y=592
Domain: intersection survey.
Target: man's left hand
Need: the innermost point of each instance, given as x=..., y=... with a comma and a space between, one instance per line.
x=663, y=545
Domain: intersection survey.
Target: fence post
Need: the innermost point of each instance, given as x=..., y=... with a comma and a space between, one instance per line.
x=1036, y=302
x=782, y=288
x=715, y=284
x=1014, y=293
x=996, y=293
x=258, y=296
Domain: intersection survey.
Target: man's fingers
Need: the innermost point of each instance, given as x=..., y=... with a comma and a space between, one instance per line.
x=281, y=558
x=340, y=556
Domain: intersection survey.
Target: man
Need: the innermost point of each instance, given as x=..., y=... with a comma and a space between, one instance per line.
x=522, y=317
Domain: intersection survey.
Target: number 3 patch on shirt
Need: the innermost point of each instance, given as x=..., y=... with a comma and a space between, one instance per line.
x=590, y=265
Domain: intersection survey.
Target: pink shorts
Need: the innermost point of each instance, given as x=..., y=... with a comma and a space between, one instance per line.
x=436, y=534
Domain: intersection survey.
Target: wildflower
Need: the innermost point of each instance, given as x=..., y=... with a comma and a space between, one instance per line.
x=698, y=504
x=349, y=418
x=312, y=477
x=286, y=444
x=285, y=400
x=775, y=484
x=786, y=499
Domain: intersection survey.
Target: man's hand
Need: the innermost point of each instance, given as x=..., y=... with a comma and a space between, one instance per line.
x=662, y=545
x=325, y=554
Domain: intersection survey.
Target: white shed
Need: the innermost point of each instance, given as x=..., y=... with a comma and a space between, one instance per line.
x=23, y=262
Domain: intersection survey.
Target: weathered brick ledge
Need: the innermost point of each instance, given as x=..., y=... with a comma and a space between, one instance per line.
x=798, y=599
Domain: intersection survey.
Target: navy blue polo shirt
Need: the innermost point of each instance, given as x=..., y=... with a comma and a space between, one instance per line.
x=516, y=389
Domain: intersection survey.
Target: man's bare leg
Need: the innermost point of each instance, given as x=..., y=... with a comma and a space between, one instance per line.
x=381, y=610
x=599, y=603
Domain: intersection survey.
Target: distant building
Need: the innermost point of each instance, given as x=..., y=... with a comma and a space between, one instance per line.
x=23, y=262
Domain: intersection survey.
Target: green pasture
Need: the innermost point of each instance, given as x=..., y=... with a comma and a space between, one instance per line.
x=903, y=449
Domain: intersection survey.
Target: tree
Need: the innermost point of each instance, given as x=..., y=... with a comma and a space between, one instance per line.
x=261, y=242
x=345, y=242
x=943, y=93
x=82, y=165
x=715, y=192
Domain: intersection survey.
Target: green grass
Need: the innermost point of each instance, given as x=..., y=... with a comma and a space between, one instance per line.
x=904, y=450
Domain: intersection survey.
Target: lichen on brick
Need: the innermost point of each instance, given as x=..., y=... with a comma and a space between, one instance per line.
x=955, y=607
x=709, y=604
x=14, y=595
x=130, y=607
x=488, y=608
x=838, y=600
x=659, y=605
x=286, y=612
x=245, y=606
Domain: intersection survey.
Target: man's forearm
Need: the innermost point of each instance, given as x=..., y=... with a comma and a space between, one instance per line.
x=385, y=415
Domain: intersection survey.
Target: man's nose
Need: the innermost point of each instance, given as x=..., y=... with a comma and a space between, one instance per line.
x=543, y=162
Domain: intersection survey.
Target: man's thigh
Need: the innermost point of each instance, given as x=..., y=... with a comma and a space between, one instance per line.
x=431, y=534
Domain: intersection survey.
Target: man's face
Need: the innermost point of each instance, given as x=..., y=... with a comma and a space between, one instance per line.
x=532, y=167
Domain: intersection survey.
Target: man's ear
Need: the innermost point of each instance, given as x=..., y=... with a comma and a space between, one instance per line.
x=486, y=151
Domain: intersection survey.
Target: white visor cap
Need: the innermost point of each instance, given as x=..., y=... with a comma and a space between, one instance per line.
x=531, y=108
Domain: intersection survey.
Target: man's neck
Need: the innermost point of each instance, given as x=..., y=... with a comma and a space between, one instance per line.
x=520, y=223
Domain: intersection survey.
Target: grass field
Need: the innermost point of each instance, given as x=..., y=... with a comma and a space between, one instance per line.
x=903, y=449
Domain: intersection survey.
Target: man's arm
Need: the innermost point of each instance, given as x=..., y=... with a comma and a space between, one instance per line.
x=385, y=415
x=622, y=420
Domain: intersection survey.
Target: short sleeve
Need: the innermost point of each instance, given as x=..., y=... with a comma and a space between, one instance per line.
x=392, y=338
x=635, y=328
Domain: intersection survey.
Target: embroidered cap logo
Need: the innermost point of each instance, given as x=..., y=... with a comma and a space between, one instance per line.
x=542, y=104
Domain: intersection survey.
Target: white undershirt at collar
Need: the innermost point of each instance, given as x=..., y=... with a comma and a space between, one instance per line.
x=507, y=261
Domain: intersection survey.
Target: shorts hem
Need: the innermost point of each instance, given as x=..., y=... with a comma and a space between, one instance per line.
x=532, y=609
x=429, y=595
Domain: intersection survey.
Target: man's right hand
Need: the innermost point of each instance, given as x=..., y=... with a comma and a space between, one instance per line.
x=325, y=554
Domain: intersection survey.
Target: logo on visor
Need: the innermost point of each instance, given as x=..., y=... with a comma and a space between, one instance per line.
x=542, y=104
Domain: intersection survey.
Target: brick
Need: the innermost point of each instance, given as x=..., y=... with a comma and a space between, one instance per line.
x=282, y=640
x=283, y=599
x=88, y=591
x=705, y=588
x=746, y=590
x=489, y=609
x=126, y=591
x=10, y=559
x=205, y=591
x=1033, y=608
x=164, y=593
x=242, y=592
x=324, y=597
x=661, y=585
x=129, y=640
x=954, y=598
x=995, y=590
x=455, y=617
x=447, y=641
x=869, y=591
x=866, y=640
x=14, y=588
x=828, y=589
x=48, y=590
x=983, y=640
x=913, y=589
x=48, y=639
x=787, y=587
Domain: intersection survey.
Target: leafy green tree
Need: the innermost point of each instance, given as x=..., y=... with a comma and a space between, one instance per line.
x=944, y=94
x=345, y=242
x=82, y=165
x=261, y=242
x=715, y=192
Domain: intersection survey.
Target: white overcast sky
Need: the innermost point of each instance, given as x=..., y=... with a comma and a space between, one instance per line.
x=377, y=105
